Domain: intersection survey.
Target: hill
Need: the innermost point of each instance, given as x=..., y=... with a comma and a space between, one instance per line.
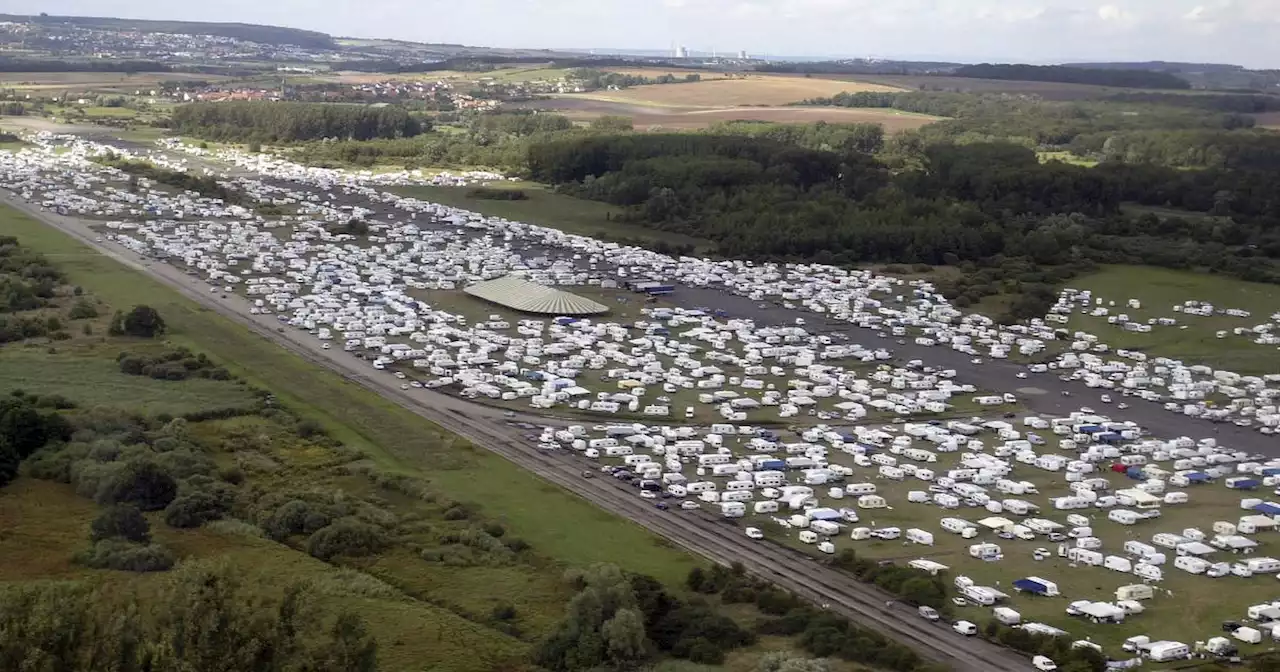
x=1137, y=79
x=240, y=31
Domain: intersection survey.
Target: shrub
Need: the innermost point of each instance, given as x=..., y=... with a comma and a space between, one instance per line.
x=83, y=309
x=141, y=482
x=143, y=322
x=193, y=509
x=346, y=537
x=121, y=521
x=125, y=556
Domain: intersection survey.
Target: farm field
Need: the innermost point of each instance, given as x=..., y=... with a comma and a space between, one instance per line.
x=556, y=523
x=747, y=90
x=689, y=118
x=1269, y=120
x=545, y=208
x=1193, y=338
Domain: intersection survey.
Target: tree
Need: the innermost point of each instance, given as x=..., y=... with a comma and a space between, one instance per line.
x=8, y=463
x=123, y=521
x=143, y=322
x=624, y=636
x=141, y=482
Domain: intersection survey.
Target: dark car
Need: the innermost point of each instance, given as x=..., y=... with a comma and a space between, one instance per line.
x=662, y=505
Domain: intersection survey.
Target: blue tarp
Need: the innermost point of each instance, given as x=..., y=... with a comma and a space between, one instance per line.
x=1198, y=477
x=1267, y=508
x=824, y=515
x=1031, y=586
x=1090, y=429
x=772, y=465
x=1270, y=471
x=1135, y=473
x=1108, y=437
x=1246, y=484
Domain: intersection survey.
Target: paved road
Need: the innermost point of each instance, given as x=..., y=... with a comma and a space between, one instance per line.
x=696, y=531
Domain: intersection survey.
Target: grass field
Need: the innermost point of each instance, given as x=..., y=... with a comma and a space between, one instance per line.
x=749, y=90
x=90, y=377
x=546, y=208
x=1193, y=338
x=556, y=523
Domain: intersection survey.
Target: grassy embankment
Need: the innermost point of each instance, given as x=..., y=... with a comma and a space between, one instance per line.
x=544, y=207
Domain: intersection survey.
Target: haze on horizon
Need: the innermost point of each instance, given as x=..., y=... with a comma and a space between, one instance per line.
x=1036, y=31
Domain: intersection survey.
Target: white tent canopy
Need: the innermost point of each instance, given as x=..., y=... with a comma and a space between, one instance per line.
x=530, y=297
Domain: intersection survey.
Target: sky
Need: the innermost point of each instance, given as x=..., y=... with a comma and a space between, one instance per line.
x=1242, y=32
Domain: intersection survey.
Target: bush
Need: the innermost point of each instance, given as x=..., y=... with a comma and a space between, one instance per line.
x=83, y=309
x=143, y=322
x=127, y=557
x=346, y=537
x=193, y=509
x=141, y=482
x=121, y=521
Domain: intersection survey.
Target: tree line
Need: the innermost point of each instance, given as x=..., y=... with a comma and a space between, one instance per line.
x=1133, y=79
x=206, y=186
x=15, y=64
x=990, y=205
x=261, y=121
x=593, y=79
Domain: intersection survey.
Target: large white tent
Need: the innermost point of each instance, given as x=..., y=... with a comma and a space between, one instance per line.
x=530, y=297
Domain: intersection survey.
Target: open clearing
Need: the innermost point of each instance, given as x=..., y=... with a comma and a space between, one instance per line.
x=747, y=90
x=688, y=118
x=1193, y=338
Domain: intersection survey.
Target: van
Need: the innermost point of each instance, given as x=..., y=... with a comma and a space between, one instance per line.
x=808, y=537
x=966, y=628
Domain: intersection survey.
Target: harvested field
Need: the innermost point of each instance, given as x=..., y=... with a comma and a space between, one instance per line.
x=688, y=118
x=745, y=90
x=1269, y=120
x=1046, y=90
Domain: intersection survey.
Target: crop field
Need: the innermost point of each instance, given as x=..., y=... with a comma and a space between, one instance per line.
x=546, y=208
x=689, y=118
x=555, y=522
x=746, y=90
x=1269, y=120
x=1192, y=338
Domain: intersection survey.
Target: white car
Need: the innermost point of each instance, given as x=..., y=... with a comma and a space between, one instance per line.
x=1022, y=374
x=1122, y=406
x=1043, y=663
x=1106, y=398
x=648, y=494
x=689, y=506
x=754, y=533
x=966, y=628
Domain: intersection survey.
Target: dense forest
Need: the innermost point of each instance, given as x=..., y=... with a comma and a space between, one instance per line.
x=981, y=205
x=291, y=122
x=1133, y=79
